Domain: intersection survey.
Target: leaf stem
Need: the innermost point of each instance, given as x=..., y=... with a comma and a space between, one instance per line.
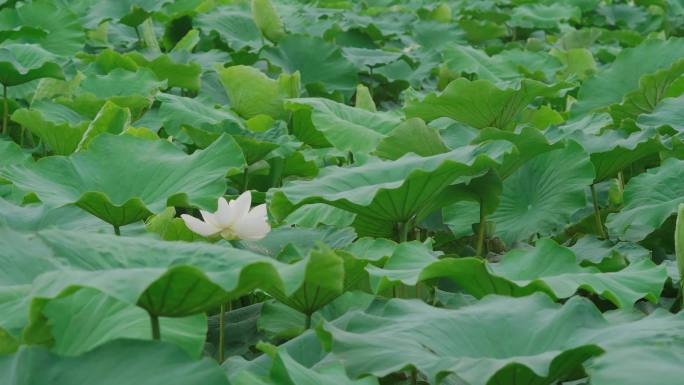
x=414, y=376
x=597, y=214
x=222, y=333
x=117, y=230
x=5, y=109
x=404, y=228
x=307, y=321
x=154, y=320
x=481, y=231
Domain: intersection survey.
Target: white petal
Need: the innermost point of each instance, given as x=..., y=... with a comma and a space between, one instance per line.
x=209, y=218
x=252, y=227
x=259, y=211
x=202, y=228
x=240, y=206
x=224, y=215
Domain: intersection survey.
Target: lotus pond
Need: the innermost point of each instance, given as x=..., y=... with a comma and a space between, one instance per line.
x=341, y=192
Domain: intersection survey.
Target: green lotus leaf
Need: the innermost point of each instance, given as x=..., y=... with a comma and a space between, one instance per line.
x=317, y=121
x=667, y=113
x=364, y=58
x=636, y=365
x=649, y=199
x=325, y=72
x=578, y=62
x=92, y=180
x=281, y=243
x=611, y=85
x=36, y=217
x=121, y=360
x=111, y=119
x=133, y=90
x=167, y=279
x=252, y=93
x=507, y=66
x=49, y=24
x=169, y=227
x=175, y=74
x=58, y=126
x=287, y=371
x=384, y=193
x=547, y=268
x=611, y=151
x=267, y=19
x=233, y=25
x=541, y=196
x=543, y=349
x=88, y=318
x=21, y=63
x=11, y=153
x=128, y=12
x=479, y=103
x=653, y=88
x=411, y=136
x=178, y=111
x=319, y=214
x=478, y=31
x=546, y=16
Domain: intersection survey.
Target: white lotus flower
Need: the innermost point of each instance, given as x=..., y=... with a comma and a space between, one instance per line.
x=232, y=220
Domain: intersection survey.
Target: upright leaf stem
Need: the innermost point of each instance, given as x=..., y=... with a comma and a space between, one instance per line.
x=5, y=109
x=222, y=333
x=481, y=231
x=156, y=333
x=117, y=230
x=597, y=214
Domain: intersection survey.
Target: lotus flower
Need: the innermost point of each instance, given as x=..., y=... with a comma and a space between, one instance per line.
x=232, y=220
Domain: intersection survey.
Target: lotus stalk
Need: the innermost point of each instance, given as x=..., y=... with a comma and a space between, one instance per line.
x=5, y=109
x=679, y=244
x=232, y=221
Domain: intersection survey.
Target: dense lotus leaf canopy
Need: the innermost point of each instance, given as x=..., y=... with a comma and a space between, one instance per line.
x=440, y=192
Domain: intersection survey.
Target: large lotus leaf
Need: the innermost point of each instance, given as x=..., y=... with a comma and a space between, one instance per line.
x=637, y=365
x=345, y=128
x=547, y=16
x=611, y=151
x=364, y=57
x=235, y=26
x=507, y=66
x=129, y=12
x=45, y=23
x=129, y=89
x=36, y=217
x=541, y=349
x=118, y=362
x=11, y=153
x=653, y=88
x=479, y=103
x=667, y=113
x=623, y=75
x=168, y=279
x=649, y=199
x=411, y=136
x=58, y=126
x=87, y=319
x=112, y=119
x=321, y=64
x=20, y=63
x=383, y=193
x=175, y=74
x=179, y=111
x=284, y=241
x=319, y=214
x=288, y=371
x=252, y=93
x=541, y=196
x=328, y=275
x=122, y=179
x=547, y=268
